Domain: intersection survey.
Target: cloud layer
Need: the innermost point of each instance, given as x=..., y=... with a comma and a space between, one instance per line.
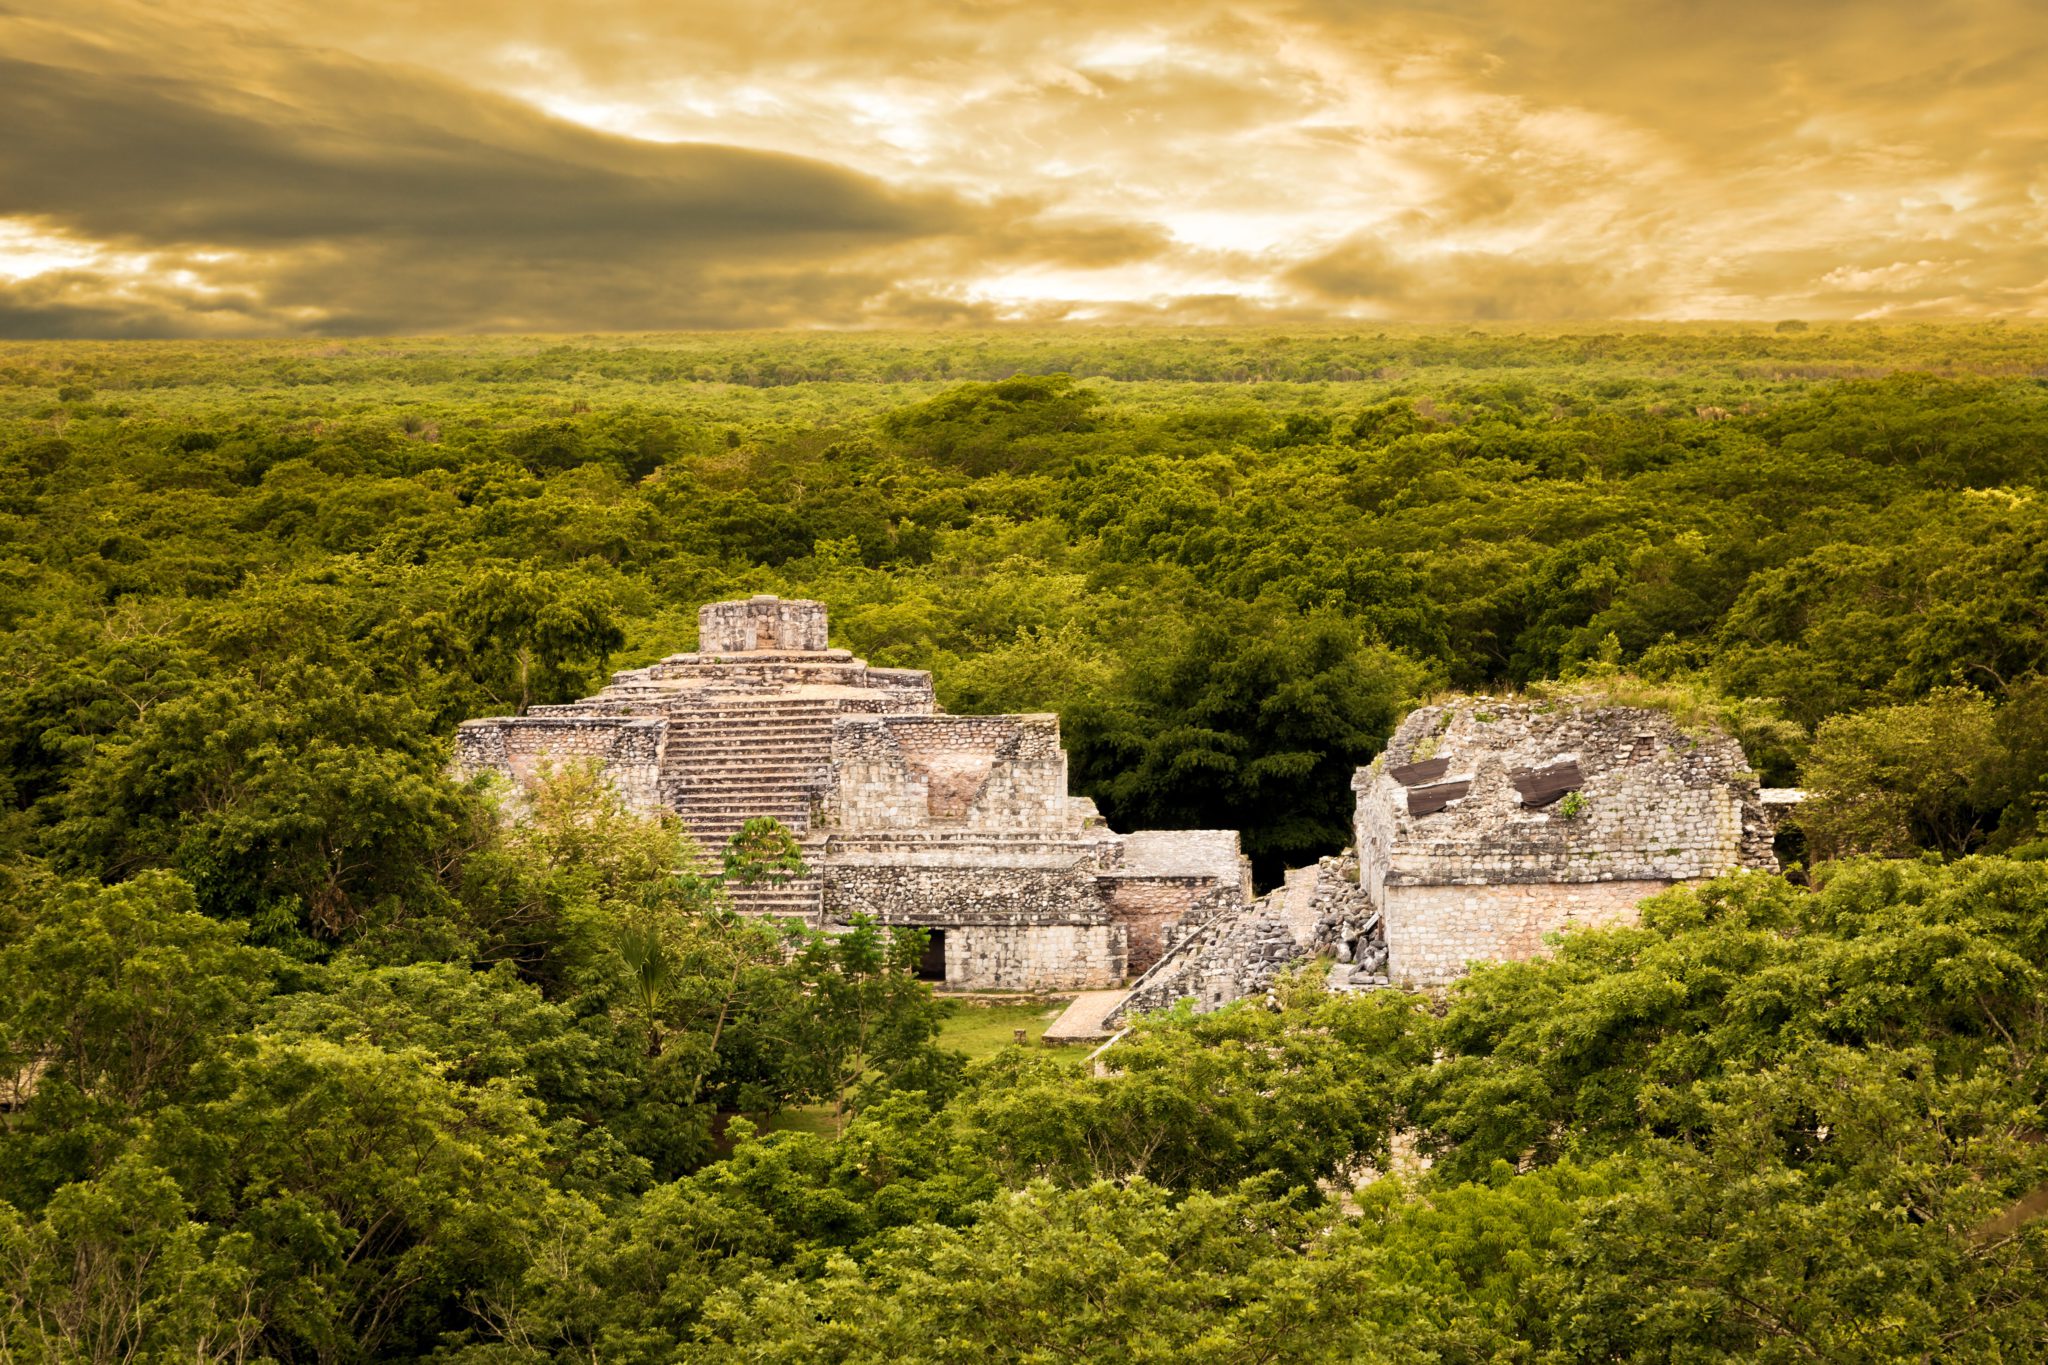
x=368, y=166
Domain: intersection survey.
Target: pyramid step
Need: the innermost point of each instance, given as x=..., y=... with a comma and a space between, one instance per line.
x=789, y=725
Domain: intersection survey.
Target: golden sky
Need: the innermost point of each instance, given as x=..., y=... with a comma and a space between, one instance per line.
x=231, y=167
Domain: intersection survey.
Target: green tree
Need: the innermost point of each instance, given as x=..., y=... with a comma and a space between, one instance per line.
x=873, y=1024
x=116, y=1270
x=1300, y=1096
x=375, y=1194
x=535, y=636
x=306, y=805
x=108, y=1006
x=763, y=850
x=1255, y=720
x=1899, y=778
x=1012, y=424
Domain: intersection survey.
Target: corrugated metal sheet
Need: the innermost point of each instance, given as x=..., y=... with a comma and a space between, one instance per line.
x=1433, y=798
x=1416, y=774
x=1541, y=786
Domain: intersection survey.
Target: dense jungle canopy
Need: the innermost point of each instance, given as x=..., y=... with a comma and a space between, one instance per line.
x=304, y=1055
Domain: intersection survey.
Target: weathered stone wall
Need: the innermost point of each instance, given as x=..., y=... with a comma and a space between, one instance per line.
x=681, y=682
x=970, y=772
x=1654, y=802
x=1222, y=954
x=1163, y=878
x=1213, y=853
x=760, y=623
x=1519, y=819
x=1007, y=927
x=1092, y=850
x=1349, y=928
x=1434, y=932
x=1148, y=907
x=1033, y=957
x=971, y=892
x=1225, y=950
x=626, y=749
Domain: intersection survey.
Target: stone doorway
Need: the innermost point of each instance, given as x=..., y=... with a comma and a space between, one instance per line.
x=932, y=966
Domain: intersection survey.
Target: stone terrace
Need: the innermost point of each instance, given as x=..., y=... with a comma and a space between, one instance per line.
x=741, y=727
x=961, y=825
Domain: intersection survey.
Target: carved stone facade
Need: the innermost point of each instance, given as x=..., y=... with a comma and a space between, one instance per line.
x=961, y=825
x=1487, y=825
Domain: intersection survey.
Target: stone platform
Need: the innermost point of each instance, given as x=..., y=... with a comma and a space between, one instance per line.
x=1085, y=1020
x=958, y=825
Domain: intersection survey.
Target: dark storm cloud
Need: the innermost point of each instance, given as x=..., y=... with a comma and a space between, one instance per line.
x=72, y=304
x=373, y=201
x=377, y=165
x=164, y=162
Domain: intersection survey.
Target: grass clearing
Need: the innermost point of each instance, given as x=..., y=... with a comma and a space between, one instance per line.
x=809, y=1118
x=982, y=1028
x=978, y=1027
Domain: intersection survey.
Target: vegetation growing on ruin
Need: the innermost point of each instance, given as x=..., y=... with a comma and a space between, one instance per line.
x=302, y=1055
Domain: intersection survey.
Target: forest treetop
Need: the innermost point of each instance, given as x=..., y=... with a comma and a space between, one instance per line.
x=332, y=1065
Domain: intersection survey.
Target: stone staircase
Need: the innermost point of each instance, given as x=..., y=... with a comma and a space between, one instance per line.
x=731, y=759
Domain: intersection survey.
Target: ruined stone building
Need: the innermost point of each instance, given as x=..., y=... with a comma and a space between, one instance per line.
x=1487, y=825
x=1484, y=827
x=960, y=825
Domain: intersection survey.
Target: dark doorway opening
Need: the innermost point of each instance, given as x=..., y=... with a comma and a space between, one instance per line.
x=932, y=966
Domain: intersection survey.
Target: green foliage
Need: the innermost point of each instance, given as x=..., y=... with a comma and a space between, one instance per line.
x=763, y=850
x=111, y=1003
x=1251, y=710
x=115, y=1269
x=1207, y=1103
x=873, y=1025
x=527, y=633
x=1104, y=1273
x=1008, y=426
x=375, y=1192
x=1896, y=778
x=305, y=1054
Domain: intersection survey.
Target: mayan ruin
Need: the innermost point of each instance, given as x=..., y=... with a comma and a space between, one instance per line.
x=1485, y=827
x=958, y=825
x=904, y=685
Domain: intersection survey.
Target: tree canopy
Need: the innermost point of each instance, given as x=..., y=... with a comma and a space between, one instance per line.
x=306, y=1054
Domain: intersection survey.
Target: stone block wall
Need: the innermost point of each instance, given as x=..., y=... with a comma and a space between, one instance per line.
x=1654, y=803
x=895, y=691
x=1434, y=932
x=1213, y=853
x=1007, y=927
x=968, y=891
x=1477, y=856
x=1058, y=957
x=761, y=623
x=1225, y=950
x=627, y=749
x=893, y=772
x=1148, y=907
